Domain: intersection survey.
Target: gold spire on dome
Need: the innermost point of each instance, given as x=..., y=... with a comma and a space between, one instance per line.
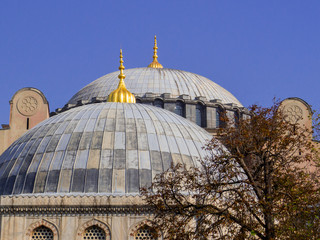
x=121, y=94
x=155, y=63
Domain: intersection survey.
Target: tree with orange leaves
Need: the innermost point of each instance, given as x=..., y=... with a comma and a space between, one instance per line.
x=256, y=183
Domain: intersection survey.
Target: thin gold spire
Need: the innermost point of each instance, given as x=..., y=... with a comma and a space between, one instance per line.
x=121, y=94
x=121, y=76
x=155, y=63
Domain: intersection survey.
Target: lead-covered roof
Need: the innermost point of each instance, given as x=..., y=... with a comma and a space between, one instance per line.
x=112, y=148
x=139, y=81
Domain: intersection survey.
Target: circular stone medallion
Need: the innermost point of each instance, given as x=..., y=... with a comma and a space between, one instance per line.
x=27, y=106
x=293, y=113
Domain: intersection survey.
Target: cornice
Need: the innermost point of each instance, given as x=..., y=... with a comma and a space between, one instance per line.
x=75, y=210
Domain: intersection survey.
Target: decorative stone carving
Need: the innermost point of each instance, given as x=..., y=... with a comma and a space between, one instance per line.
x=80, y=210
x=45, y=223
x=134, y=229
x=27, y=106
x=293, y=113
x=91, y=223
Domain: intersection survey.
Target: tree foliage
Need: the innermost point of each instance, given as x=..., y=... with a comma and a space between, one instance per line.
x=260, y=181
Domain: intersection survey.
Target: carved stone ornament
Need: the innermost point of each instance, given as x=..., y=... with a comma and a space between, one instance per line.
x=91, y=223
x=27, y=106
x=135, y=228
x=26, y=210
x=293, y=114
x=45, y=223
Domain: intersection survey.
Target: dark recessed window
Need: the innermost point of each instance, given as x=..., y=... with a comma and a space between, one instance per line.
x=236, y=118
x=220, y=117
x=28, y=123
x=201, y=115
x=158, y=103
x=179, y=109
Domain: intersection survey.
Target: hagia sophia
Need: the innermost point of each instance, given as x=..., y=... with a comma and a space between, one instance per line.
x=75, y=173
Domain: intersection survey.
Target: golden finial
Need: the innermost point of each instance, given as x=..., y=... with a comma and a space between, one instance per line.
x=155, y=63
x=121, y=94
x=121, y=68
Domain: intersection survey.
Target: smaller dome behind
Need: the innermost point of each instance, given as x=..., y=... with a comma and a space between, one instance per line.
x=109, y=148
x=139, y=81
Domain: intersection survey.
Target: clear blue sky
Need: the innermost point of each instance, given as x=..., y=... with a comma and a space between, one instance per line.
x=256, y=49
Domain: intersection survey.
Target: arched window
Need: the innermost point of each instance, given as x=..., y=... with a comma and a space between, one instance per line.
x=42, y=233
x=201, y=115
x=179, y=109
x=94, y=232
x=158, y=103
x=145, y=232
x=220, y=117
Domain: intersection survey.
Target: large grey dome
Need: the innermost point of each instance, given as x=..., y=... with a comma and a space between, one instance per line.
x=139, y=81
x=112, y=148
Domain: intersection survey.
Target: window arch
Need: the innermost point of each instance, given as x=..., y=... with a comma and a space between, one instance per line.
x=145, y=232
x=97, y=229
x=158, y=103
x=95, y=233
x=179, y=109
x=220, y=117
x=42, y=233
x=201, y=115
x=42, y=229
